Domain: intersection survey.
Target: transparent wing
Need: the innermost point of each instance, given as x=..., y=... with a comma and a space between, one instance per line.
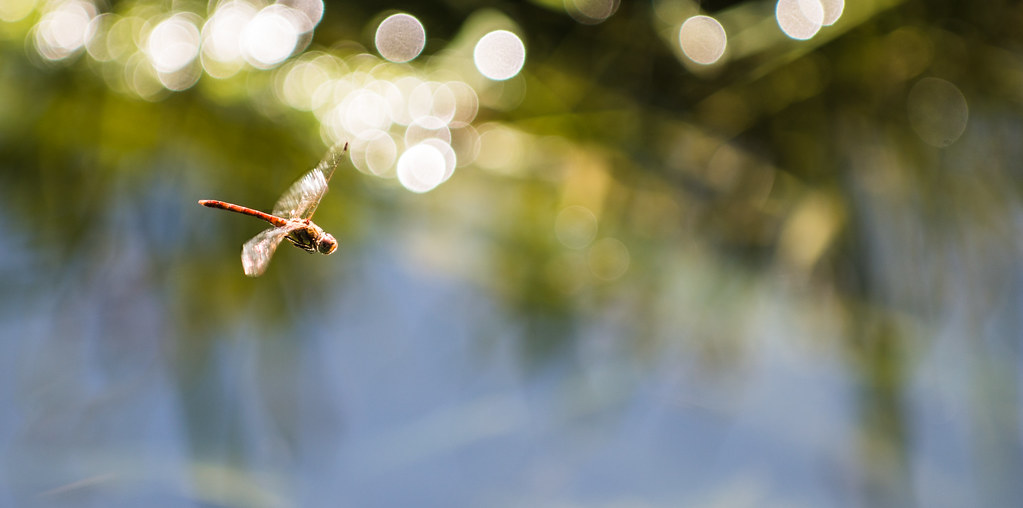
x=256, y=253
x=300, y=201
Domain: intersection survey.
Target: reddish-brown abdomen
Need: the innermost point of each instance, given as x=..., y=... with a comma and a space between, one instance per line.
x=213, y=203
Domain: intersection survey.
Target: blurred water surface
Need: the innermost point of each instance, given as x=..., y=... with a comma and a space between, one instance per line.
x=617, y=278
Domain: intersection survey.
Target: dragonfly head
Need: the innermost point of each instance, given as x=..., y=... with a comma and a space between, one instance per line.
x=326, y=244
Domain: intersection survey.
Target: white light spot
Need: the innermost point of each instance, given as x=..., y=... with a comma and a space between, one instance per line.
x=270, y=37
x=422, y=101
x=61, y=32
x=311, y=11
x=937, y=111
x=450, y=160
x=327, y=97
x=173, y=44
x=181, y=79
x=499, y=55
x=702, y=39
x=400, y=38
x=399, y=100
x=426, y=128
x=467, y=103
x=575, y=227
x=97, y=35
x=222, y=33
x=443, y=103
x=799, y=19
x=832, y=11
x=119, y=40
x=364, y=109
x=142, y=80
x=393, y=98
x=421, y=168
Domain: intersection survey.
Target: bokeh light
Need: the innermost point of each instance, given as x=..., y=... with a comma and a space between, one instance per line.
x=298, y=84
x=271, y=36
x=421, y=168
x=427, y=127
x=142, y=79
x=120, y=39
x=388, y=112
x=799, y=19
x=173, y=44
x=938, y=111
x=364, y=109
x=61, y=32
x=832, y=11
x=499, y=55
x=400, y=38
x=398, y=94
x=702, y=39
x=311, y=12
x=15, y=10
x=452, y=103
x=374, y=152
x=465, y=141
x=222, y=36
x=429, y=100
x=97, y=36
x=181, y=79
x=591, y=12
x=466, y=103
x=450, y=159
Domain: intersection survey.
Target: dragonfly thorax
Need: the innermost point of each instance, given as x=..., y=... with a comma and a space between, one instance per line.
x=311, y=238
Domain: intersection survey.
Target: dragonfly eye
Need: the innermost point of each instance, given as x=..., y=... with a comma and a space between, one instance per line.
x=327, y=244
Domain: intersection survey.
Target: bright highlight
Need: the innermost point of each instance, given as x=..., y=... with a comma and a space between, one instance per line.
x=221, y=36
x=832, y=11
x=413, y=124
x=499, y=55
x=173, y=44
x=270, y=36
x=421, y=168
x=61, y=32
x=702, y=39
x=799, y=19
x=400, y=38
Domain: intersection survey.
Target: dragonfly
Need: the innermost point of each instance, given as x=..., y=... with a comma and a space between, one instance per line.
x=291, y=218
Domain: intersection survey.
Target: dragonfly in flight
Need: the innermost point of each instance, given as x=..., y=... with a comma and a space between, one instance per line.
x=290, y=218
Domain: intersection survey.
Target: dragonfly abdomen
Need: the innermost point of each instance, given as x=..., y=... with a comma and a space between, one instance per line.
x=272, y=219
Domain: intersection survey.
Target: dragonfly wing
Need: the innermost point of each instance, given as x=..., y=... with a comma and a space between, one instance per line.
x=300, y=201
x=256, y=253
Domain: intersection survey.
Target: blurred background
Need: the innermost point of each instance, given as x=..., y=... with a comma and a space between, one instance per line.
x=638, y=254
